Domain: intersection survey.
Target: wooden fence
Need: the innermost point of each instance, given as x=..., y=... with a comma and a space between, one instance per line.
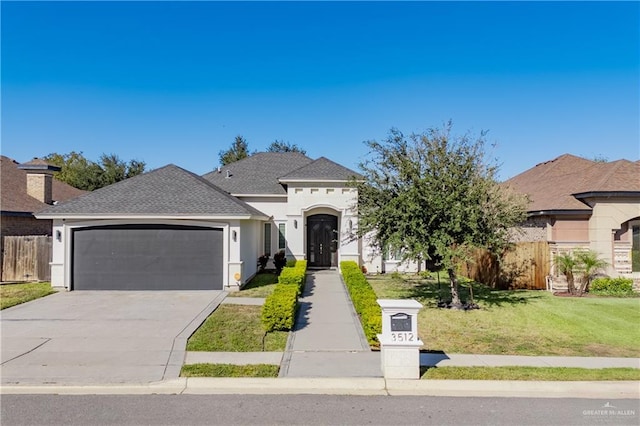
x=525, y=266
x=26, y=258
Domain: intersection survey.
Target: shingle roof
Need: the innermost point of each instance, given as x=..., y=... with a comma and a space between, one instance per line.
x=258, y=174
x=14, y=197
x=167, y=191
x=321, y=169
x=552, y=185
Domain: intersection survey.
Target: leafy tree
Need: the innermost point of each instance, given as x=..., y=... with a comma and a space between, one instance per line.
x=238, y=150
x=281, y=146
x=76, y=170
x=114, y=169
x=434, y=197
x=79, y=172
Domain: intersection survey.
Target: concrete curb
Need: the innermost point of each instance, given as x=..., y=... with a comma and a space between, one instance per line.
x=179, y=347
x=351, y=386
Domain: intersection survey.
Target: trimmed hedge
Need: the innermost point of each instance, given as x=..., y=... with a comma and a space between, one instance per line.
x=280, y=307
x=293, y=276
x=364, y=300
x=612, y=286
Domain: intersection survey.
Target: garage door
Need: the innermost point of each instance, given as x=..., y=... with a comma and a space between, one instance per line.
x=147, y=257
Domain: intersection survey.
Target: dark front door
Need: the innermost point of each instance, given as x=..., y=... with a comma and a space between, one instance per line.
x=322, y=240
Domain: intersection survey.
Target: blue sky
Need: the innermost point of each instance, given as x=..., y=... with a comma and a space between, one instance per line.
x=174, y=82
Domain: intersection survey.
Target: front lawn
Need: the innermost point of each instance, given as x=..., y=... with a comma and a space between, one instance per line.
x=519, y=322
x=229, y=370
x=531, y=373
x=261, y=285
x=235, y=328
x=15, y=294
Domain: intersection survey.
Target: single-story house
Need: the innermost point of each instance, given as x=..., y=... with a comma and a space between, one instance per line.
x=578, y=203
x=171, y=229
x=25, y=189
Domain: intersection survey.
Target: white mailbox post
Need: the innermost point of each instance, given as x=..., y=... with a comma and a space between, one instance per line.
x=399, y=341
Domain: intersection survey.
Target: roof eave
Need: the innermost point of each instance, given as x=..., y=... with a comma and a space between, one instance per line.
x=148, y=217
x=606, y=194
x=287, y=180
x=16, y=213
x=558, y=212
x=260, y=195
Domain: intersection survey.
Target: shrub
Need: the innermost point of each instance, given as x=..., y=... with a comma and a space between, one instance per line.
x=293, y=276
x=279, y=261
x=612, y=286
x=364, y=300
x=279, y=309
x=262, y=262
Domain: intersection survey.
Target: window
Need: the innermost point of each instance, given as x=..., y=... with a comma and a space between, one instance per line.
x=282, y=241
x=267, y=238
x=393, y=254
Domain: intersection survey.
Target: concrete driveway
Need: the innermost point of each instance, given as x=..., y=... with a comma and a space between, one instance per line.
x=100, y=337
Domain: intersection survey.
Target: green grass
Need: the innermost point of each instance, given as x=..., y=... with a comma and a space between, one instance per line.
x=235, y=328
x=531, y=373
x=261, y=285
x=520, y=322
x=229, y=370
x=15, y=294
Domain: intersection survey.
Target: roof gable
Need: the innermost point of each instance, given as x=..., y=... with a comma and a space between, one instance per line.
x=14, y=196
x=551, y=185
x=321, y=169
x=258, y=173
x=167, y=191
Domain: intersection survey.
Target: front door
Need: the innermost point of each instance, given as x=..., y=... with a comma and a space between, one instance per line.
x=322, y=240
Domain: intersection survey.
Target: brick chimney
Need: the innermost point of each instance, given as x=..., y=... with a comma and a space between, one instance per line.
x=39, y=179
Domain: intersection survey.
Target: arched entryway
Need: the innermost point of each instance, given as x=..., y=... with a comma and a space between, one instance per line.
x=322, y=240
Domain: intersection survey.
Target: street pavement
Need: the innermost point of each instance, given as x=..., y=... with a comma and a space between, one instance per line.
x=125, y=410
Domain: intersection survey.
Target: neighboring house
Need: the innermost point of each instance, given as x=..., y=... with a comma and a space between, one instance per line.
x=582, y=204
x=25, y=189
x=170, y=229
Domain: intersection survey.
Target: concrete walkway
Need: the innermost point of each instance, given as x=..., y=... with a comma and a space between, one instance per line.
x=328, y=340
x=465, y=360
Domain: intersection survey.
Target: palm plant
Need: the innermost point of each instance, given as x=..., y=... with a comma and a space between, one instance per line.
x=590, y=263
x=566, y=264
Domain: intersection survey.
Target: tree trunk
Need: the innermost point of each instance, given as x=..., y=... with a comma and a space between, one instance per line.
x=570, y=287
x=583, y=287
x=455, y=296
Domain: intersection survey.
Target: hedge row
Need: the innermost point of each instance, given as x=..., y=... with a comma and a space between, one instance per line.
x=364, y=300
x=279, y=309
x=612, y=286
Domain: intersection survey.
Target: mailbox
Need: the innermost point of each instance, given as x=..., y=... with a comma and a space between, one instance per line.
x=399, y=342
x=401, y=322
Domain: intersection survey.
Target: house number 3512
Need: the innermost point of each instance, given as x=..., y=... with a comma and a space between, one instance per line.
x=402, y=337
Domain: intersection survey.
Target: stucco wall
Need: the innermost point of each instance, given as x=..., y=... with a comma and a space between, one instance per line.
x=576, y=229
x=608, y=216
x=306, y=199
